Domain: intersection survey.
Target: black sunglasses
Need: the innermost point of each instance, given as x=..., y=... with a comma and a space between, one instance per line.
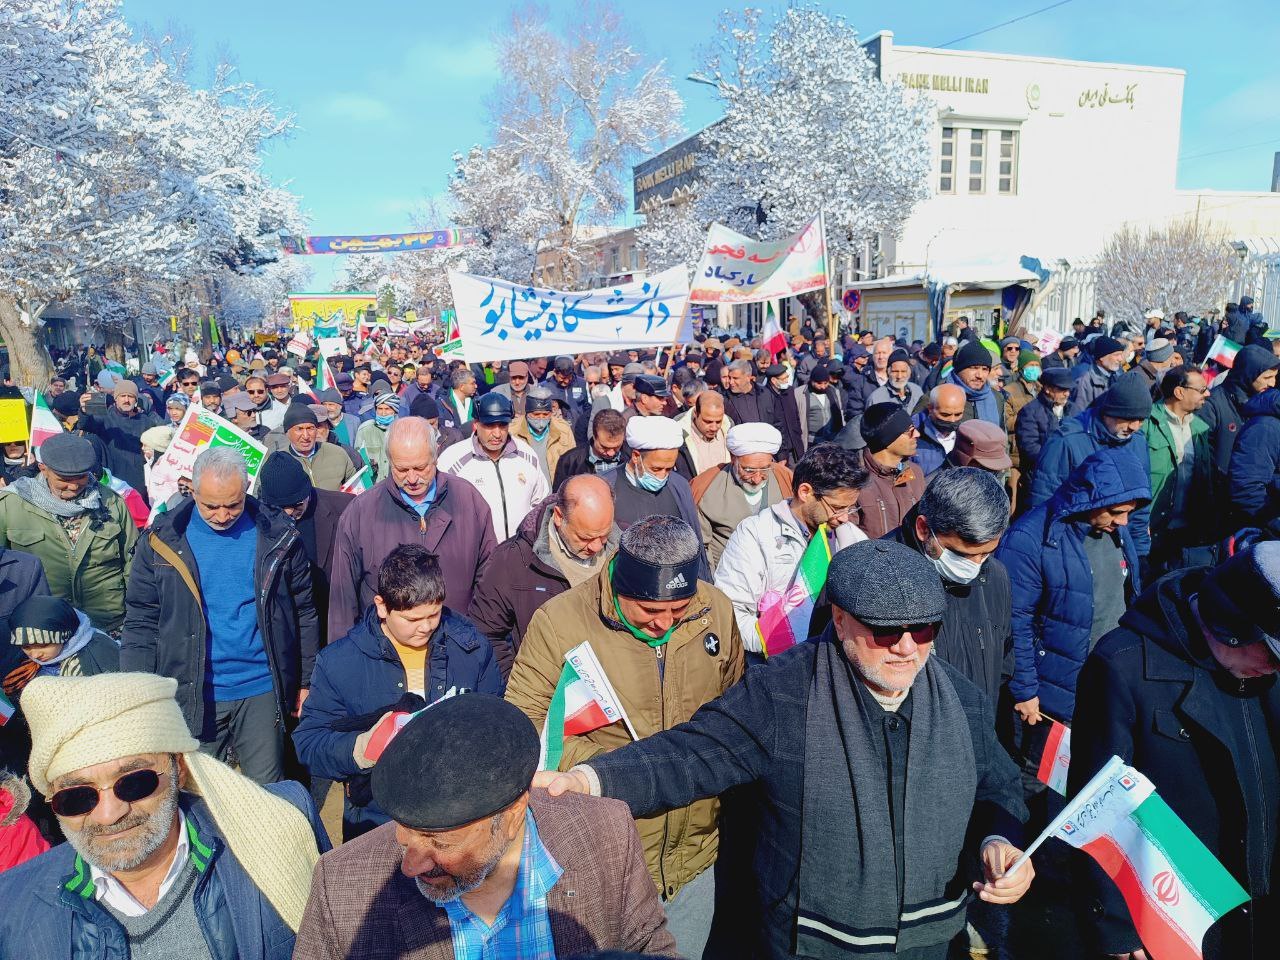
x=132, y=787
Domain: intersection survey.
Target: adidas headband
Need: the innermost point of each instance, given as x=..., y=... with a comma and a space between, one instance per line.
x=633, y=577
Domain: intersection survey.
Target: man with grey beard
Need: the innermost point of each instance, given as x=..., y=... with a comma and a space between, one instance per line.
x=170, y=854
x=474, y=863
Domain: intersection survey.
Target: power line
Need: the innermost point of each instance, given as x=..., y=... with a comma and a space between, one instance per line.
x=1242, y=146
x=1025, y=16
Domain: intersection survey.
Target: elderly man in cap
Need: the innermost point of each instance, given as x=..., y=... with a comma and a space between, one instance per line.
x=1157, y=360
x=371, y=436
x=751, y=481
x=219, y=598
x=475, y=862
x=706, y=428
x=646, y=615
x=271, y=412
x=982, y=445
x=502, y=468
x=80, y=530
x=568, y=388
x=567, y=539
x=170, y=854
x=1094, y=379
x=241, y=409
x=120, y=429
x=820, y=402
x=895, y=482
x=828, y=863
x=1184, y=689
x=780, y=382
x=649, y=485
x=326, y=464
x=517, y=386
x=550, y=437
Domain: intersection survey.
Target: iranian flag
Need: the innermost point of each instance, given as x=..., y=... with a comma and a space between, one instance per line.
x=361, y=481
x=773, y=338
x=324, y=376
x=168, y=378
x=1056, y=758
x=784, y=617
x=1173, y=886
x=138, y=508
x=43, y=423
x=452, y=333
x=7, y=709
x=1223, y=352
x=584, y=700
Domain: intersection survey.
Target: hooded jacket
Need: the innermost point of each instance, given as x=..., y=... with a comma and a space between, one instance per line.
x=1254, y=477
x=165, y=629
x=1075, y=439
x=1224, y=410
x=1052, y=584
x=361, y=675
x=1152, y=694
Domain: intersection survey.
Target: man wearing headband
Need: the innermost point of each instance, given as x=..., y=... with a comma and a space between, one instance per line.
x=750, y=482
x=649, y=620
x=1185, y=689
x=170, y=854
x=874, y=770
x=475, y=864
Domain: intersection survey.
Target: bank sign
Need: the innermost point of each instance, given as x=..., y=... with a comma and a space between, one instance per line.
x=658, y=178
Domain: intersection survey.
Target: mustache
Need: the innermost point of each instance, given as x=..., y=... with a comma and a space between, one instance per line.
x=110, y=830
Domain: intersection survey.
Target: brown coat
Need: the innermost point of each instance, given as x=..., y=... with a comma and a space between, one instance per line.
x=559, y=441
x=363, y=908
x=722, y=505
x=1019, y=394
x=887, y=497
x=702, y=659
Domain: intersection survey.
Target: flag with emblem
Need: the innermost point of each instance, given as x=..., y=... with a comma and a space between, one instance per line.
x=1173, y=886
x=784, y=617
x=1056, y=759
x=584, y=700
x=7, y=709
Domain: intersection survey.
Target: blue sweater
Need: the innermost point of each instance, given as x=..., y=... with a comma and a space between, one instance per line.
x=237, y=663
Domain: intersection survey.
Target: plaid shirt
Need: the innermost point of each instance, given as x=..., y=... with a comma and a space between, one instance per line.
x=523, y=926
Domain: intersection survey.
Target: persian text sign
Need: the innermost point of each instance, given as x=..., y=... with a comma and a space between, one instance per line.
x=737, y=269
x=505, y=321
x=202, y=428
x=329, y=309
x=382, y=242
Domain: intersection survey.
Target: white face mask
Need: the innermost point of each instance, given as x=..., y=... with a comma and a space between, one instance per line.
x=954, y=567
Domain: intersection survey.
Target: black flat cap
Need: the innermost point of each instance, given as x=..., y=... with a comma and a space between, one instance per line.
x=886, y=584
x=652, y=386
x=68, y=455
x=774, y=370
x=461, y=760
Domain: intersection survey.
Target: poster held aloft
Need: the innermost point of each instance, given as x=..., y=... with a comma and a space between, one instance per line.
x=199, y=430
x=736, y=269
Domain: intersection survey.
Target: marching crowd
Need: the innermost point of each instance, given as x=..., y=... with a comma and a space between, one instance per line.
x=1084, y=537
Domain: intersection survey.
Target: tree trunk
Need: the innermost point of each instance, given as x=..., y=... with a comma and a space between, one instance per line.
x=113, y=344
x=29, y=363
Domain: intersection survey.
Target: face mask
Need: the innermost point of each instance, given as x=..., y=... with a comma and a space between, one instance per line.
x=954, y=567
x=1031, y=374
x=384, y=421
x=538, y=428
x=647, y=481
x=944, y=427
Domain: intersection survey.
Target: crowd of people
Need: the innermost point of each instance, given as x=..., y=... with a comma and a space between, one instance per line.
x=1083, y=537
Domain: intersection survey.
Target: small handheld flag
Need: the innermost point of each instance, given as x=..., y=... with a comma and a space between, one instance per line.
x=138, y=508
x=584, y=700
x=773, y=340
x=784, y=617
x=1223, y=352
x=1056, y=759
x=43, y=423
x=361, y=481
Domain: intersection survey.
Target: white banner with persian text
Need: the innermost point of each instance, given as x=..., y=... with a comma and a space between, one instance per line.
x=499, y=320
x=737, y=269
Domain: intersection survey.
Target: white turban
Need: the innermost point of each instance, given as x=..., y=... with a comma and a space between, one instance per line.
x=654, y=433
x=78, y=722
x=747, y=438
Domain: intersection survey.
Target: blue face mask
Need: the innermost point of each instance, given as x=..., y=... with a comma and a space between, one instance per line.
x=1031, y=374
x=538, y=428
x=648, y=481
x=384, y=421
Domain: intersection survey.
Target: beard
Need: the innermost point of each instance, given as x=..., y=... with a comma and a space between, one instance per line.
x=95, y=843
x=876, y=675
x=467, y=882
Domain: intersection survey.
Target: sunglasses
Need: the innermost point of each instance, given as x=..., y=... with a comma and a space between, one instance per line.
x=255, y=393
x=80, y=800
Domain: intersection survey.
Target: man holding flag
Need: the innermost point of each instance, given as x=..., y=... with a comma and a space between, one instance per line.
x=658, y=645
x=1185, y=691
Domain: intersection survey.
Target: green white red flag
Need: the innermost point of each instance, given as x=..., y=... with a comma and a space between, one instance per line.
x=1223, y=352
x=1056, y=759
x=43, y=423
x=584, y=700
x=361, y=481
x=324, y=376
x=138, y=508
x=773, y=338
x=784, y=617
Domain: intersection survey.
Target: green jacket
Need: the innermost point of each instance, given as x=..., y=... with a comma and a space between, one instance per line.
x=91, y=574
x=1164, y=467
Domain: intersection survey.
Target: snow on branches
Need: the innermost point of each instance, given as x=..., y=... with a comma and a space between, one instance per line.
x=1187, y=265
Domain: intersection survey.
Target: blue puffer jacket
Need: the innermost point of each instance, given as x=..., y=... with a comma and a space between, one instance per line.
x=50, y=913
x=1254, y=476
x=1051, y=579
x=1076, y=439
x=361, y=675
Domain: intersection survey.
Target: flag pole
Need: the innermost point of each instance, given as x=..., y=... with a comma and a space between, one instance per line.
x=671, y=355
x=1109, y=770
x=826, y=275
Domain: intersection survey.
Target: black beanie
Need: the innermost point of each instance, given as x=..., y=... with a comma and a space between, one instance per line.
x=1129, y=398
x=282, y=482
x=1239, y=599
x=883, y=423
x=972, y=354
x=1103, y=346
x=298, y=413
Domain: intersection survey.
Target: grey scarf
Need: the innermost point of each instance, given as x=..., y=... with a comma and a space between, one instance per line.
x=848, y=866
x=35, y=490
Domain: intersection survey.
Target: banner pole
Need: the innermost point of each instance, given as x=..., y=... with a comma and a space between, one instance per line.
x=671, y=355
x=832, y=327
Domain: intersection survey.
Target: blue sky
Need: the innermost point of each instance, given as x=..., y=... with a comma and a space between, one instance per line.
x=385, y=92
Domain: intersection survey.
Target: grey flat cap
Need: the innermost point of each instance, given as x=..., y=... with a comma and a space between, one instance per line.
x=68, y=455
x=886, y=584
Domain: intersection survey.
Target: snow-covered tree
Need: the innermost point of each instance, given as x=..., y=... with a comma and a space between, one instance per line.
x=1187, y=265
x=112, y=166
x=807, y=126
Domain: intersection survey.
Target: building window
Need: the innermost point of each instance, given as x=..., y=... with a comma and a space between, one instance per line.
x=977, y=161
x=1007, y=181
x=635, y=258
x=615, y=262
x=947, y=156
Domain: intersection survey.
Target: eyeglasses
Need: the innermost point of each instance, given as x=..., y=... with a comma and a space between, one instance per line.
x=841, y=514
x=755, y=471
x=256, y=393
x=80, y=800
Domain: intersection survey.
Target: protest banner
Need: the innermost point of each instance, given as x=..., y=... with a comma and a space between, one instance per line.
x=13, y=421
x=381, y=242
x=331, y=346
x=737, y=269
x=202, y=428
x=299, y=344
x=329, y=309
x=499, y=320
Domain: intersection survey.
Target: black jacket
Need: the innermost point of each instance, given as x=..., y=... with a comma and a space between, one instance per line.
x=322, y=517
x=1224, y=410
x=577, y=461
x=976, y=636
x=753, y=407
x=787, y=420
x=1152, y=694
x=165, y=631
x=1035, y=422
x=122, y=438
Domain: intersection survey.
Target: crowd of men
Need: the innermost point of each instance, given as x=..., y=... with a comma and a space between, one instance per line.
x=1084, y=537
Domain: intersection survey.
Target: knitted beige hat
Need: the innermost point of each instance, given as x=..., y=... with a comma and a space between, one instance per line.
x=77, y=722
